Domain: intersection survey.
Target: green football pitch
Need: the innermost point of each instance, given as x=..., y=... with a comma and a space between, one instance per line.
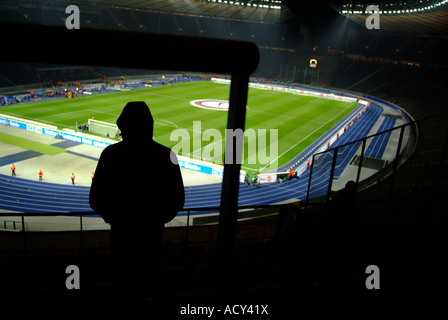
x=299, y=120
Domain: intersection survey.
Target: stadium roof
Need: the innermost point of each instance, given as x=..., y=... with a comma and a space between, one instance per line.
x=429, y=16
x=259, y=11
x=428, y=23
x=411, y=16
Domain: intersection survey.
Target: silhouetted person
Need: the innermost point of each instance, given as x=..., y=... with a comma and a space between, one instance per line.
x=287, y=218
x=138, y=202
x=343, y=204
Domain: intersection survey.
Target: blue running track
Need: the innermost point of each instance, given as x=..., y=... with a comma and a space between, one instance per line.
x=378, y=145
x=23, y=195
x=322, y=164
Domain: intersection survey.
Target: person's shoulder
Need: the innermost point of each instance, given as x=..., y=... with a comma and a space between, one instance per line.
x=165, y=152
x=114, y=146
x=110, y=149
x=160, y=147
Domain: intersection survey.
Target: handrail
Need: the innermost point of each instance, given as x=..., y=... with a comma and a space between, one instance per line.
x=192, y=209
x=92, y=213
x=84, y=214
x=411, y=123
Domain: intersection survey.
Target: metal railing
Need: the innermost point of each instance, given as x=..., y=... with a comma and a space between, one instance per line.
x=80, y=221
x=365, y=161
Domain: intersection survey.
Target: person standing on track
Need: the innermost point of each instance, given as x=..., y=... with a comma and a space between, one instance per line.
x=291, y=174
x=73, y=178
x=144, y=201
x=40, y=175
x=13, y=170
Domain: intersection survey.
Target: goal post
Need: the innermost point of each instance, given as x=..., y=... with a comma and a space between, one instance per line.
x=103, y=128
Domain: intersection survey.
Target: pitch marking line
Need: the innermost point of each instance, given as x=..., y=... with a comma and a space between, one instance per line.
x=305, y=138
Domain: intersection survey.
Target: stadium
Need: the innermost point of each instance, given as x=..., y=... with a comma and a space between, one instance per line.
x=321, y=100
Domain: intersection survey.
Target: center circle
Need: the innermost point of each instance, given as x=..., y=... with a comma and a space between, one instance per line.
x=212, y=104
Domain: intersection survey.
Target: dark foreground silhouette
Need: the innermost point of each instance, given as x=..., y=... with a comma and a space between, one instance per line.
x=137, y=188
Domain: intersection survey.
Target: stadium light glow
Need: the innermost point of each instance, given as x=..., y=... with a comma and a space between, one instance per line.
x=263, y=4
x=408, y=7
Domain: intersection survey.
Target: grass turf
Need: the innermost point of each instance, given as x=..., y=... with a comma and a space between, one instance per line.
x=300, y=120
